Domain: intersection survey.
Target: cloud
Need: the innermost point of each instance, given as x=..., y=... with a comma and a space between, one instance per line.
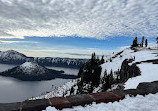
x=11, y=42
x=84, y=18
x=55, y=52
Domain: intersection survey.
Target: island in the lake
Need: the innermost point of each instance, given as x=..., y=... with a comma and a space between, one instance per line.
x=32, y=71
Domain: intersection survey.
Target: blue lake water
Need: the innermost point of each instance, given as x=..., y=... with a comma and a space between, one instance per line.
x=13, y=90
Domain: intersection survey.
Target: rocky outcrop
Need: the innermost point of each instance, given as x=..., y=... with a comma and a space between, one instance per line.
x=143, y=88
x=127, y=71
x=149, y=87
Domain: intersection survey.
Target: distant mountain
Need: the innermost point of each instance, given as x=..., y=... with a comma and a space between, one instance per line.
x=31, y=71
x=14, y=57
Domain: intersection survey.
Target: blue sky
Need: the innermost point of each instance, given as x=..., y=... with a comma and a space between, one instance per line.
x=75, y=28
x=73, y=47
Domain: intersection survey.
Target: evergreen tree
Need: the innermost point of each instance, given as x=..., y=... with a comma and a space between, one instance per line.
x=142, y=43
x=111, y=78
x=71, y=90
x=135, y=42
x=102, y=59
x=146, y=42
x=157, y=41
x=90, y=75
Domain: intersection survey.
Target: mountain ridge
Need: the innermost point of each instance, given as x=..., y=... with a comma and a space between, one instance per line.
x=17, y=58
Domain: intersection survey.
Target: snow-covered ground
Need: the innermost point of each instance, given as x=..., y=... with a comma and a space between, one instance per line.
x=142, y=54
x=65, y=89
x=138, y=103
x=148, y=70
x=149, y=73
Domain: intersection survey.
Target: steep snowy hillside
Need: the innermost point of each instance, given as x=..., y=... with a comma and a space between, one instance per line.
x=144, y=59
x=14, y=57
x=138, y=54
x=149, y=73
x=31, y=71
x=64, y=90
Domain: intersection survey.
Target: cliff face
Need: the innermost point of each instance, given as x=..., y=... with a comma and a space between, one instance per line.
x=128, y=71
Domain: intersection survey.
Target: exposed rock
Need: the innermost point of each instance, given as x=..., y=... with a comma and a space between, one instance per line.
x=120, y=93
x=60, y=102
x=134, y=92
x=36, y=105
x=82, y=99
x=124, y=70
x=105, y=97
x=148, y=87
x=128, y=71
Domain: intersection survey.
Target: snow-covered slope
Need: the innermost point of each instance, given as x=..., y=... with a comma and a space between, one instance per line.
x=143, y=58
x=148, y=70
x=32, y=68
x=141, y=54
x=149, y=73
x=60, y=91
x=138, y=103
x=12, y=56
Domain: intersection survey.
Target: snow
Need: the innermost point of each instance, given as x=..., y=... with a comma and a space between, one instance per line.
x=138, y=103
x=11, y=54
x=148, y=74
x=142, y=54
x=65, y=89
x=28, y=65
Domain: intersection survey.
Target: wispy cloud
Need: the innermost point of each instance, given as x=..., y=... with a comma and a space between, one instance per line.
x=12, y=42
x=68, y=53
x=85, y=18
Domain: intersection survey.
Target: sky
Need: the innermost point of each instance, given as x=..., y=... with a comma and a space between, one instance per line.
x=75, y=28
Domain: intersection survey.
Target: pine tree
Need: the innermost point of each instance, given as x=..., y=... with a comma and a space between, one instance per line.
x=90, y=75
x=157, y=41
x=111, y=76
x=142, y=43
x=102, y=59
x=146, y=42
x=135, y=42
